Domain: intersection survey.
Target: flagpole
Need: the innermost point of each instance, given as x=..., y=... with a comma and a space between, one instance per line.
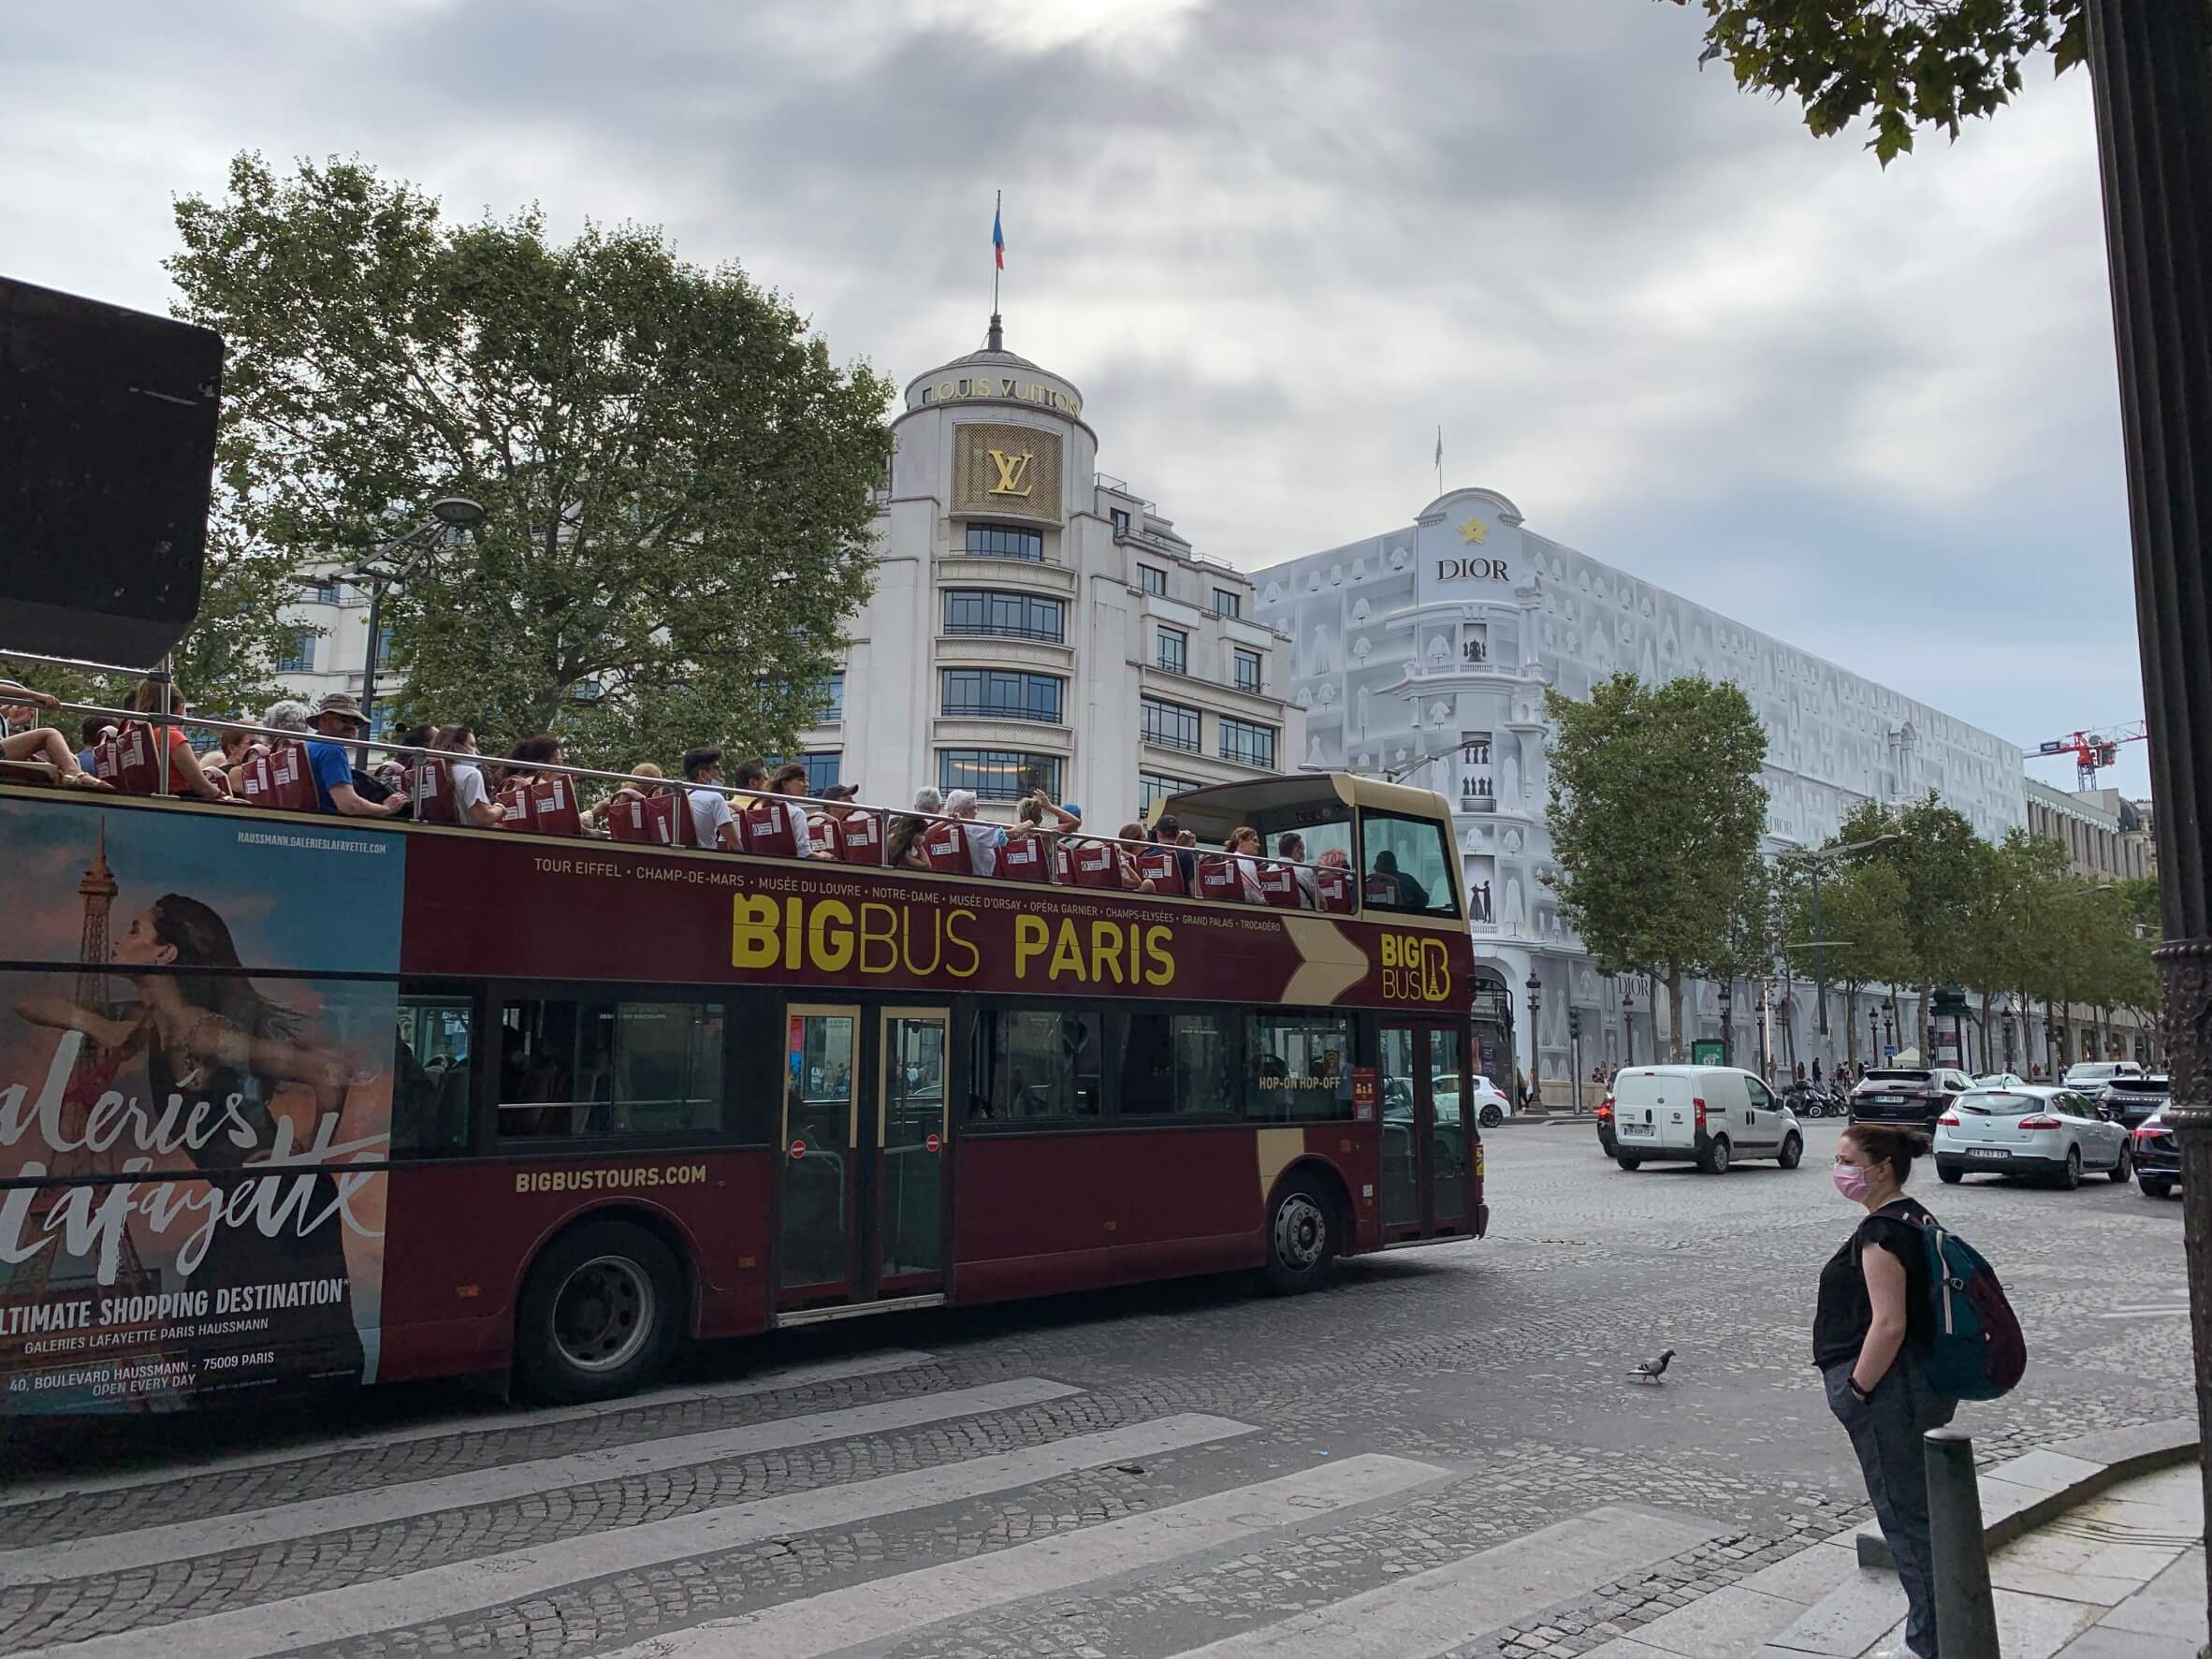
x=997, y=206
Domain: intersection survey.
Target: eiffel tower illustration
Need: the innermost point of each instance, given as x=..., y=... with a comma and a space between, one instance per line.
x=34, y=1280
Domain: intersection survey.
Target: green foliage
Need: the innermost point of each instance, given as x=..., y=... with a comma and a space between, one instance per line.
x=1655, y=813
x=1900, y=64
x=1941, y=866
x=676, y=477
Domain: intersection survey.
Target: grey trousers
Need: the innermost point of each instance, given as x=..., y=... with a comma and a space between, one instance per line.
x=1885, y=1432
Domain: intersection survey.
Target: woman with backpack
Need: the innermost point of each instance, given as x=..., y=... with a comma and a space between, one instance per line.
x=1873, y=1332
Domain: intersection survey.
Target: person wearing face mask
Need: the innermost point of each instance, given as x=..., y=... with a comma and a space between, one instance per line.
x=1872, y=1331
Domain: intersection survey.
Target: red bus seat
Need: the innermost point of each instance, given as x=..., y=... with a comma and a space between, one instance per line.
x=1218, y=878
x=276, y=778
x=1097, y=864
x=1335, y=884
x=765, y=828
x=545, y=807
x=945, y=847
x=859, y=838
x=1163, y=870
x=1379, y=889
x=1023, y=859
x=126, y=759
x=1278, y=885
x=429, y=786
x=630, y=817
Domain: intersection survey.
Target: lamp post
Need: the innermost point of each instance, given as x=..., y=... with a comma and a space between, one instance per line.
x=382, y=574
x=1813, y=858
x=1574, y=1052
x=1727, y=1011
x=1873, y=1035
x=1766, y=1013
x=1627, y=1024
x=1889, y=1024
x=1535, y=987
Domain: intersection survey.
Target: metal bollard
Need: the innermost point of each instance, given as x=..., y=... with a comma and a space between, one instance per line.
x=1965, y=1609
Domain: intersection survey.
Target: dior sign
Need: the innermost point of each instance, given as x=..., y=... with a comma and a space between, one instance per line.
x=1477, y=568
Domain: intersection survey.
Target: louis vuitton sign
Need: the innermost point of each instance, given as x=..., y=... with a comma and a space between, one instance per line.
x=1006, y=470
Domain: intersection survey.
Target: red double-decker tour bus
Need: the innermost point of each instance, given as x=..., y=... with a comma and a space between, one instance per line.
x=286, y=1095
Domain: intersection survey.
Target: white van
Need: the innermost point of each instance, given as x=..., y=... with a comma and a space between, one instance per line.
x=1708, y=1115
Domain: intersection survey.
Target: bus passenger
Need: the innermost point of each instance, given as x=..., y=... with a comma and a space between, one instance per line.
x=1292, y=847
x=152, y=696
x=902, y=844
x=527, y=756
x=1411, y=894
x=648, y=773
x=790, y=779
x=472, y=800
x=1029, y=820
x=329, y=763
x=1244, y=849
x=43, y=742
x=713, y=824
x=1131, y=881
x=984, y=838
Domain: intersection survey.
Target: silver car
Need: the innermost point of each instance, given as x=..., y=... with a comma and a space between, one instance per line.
x=2055, y=1134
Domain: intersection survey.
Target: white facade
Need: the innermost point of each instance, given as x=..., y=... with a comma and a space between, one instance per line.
x=1036, y=623
x=1424, y=653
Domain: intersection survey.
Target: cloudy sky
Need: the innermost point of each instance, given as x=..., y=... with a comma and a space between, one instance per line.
x=1276, y=243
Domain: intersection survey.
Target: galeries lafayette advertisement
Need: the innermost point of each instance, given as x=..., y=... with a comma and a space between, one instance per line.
x=188, y=1073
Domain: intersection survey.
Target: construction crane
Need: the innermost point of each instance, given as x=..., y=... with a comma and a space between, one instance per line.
x=2092, y=750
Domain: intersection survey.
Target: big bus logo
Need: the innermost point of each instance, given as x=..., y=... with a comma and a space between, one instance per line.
x=830, y=935
x=1414, y=968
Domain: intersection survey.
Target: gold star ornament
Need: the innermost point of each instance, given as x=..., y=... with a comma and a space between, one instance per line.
x=1473, y=531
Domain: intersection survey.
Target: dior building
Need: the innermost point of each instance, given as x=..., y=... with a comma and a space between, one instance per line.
x=1038, y=624
x=1424, y=654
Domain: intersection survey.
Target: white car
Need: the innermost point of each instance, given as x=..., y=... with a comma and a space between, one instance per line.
x=1491, y=1107
x=2093, y=1075
x=2055, y=1134
x=2001, y=1080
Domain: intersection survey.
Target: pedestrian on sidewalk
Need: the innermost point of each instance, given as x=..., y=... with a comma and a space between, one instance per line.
x=1871, y=1333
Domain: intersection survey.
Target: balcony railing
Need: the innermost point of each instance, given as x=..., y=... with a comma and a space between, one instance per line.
x=1007, y=631
x=997, y=711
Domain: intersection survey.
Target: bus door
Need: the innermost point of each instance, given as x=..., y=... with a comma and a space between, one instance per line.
x=1427, y=1129
x=861, y=1200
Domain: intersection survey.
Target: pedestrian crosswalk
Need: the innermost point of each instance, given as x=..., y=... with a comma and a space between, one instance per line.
x=1233, y=1493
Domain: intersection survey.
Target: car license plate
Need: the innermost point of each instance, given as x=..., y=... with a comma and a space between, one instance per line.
x=1992, y=1151
x=1638, y=1128
x=1887, y=1099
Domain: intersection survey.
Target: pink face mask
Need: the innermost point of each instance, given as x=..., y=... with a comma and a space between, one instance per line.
x=1851, y=1180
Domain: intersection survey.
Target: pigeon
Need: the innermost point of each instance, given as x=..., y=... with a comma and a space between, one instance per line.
x=1651, y=1370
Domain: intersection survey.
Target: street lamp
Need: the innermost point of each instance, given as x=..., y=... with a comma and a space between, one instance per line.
x=1627, y=1023
x=1888, y=1023
x=1814, y=858
x=1765, y=1009
x=1873, y=1035
x=383, y=573
x=1728, y=1008
x=1535, y=987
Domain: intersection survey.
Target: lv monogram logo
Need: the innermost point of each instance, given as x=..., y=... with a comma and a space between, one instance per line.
x=1013, y=473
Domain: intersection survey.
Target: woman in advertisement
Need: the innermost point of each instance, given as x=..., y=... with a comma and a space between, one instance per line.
x=208, y=1034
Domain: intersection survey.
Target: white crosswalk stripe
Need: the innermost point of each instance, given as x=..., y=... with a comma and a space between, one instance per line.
x=492, y=1416
x=378, y=1506
x=496, y=1581
x=900, y=1606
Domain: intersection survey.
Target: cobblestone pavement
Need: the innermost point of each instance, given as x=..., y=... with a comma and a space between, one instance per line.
x=1144, y=1473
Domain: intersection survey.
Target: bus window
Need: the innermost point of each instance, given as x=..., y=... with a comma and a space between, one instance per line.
x=1035, y=1064
x=1407, y=867
x=1174, y=1064
x=574, y=1067
x=432, y=1069
x=1298, y=1067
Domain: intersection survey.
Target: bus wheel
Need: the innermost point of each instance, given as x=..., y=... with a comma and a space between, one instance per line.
x=1300, y=1237
x=599, y=1313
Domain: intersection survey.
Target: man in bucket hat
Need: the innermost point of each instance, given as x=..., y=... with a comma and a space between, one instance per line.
x=332, y=764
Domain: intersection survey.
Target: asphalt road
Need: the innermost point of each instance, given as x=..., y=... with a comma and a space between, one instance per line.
x=1441, y=1454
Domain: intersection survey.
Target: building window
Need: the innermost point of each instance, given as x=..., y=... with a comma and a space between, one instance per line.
x=1152, y=579
x=997, y=774
x=1006, y=616
x=1227, y=604
x=320, y=590
x=1246, y=665
x=832, y=708
x=1121, y=520
x=297, y=654
x=1157, y=786
x=1175, y=650
x=999, y=541
x=586, y=690
x=823, y=767
x=1002, y=693
x=1170, y=725
x=1253, y=745
x=384, y=648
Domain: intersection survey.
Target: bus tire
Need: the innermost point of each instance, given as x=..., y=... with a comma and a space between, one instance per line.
x=600, y=1314
x=1304, y=1228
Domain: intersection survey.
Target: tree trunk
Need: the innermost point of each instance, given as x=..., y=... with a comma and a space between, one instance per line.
x=1674, y=1016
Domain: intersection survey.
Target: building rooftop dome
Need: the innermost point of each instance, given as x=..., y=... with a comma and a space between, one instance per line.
x=992, y=360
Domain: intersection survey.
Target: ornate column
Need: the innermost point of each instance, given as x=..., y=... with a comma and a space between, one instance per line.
x=2151, y=64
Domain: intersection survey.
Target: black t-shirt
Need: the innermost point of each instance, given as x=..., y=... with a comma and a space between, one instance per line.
x=1844, y=1312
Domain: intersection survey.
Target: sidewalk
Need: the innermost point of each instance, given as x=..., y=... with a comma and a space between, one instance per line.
x=2119, y=1574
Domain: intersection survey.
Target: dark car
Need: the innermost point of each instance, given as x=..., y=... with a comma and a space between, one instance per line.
x=2129, y=1100
x=2158, y=1155
x=1914, y=1095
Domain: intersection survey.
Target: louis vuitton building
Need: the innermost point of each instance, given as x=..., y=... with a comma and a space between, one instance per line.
x=1038, y=624
x=1424, y=653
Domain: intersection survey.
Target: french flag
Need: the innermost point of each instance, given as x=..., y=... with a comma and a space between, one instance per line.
x=998, y=240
